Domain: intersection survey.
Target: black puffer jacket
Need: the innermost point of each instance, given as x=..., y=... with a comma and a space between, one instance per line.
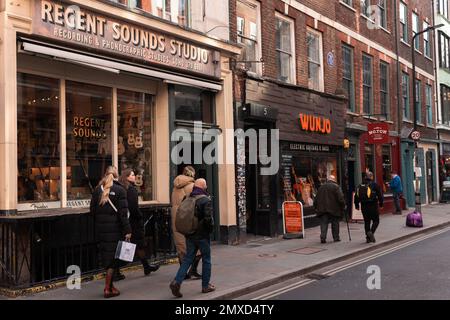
x=111, y=226
x=136, y=217
x=204, y=214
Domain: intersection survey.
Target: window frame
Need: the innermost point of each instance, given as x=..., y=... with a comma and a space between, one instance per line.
x=386, y=92
x=258, y=40
x=418, y=100
x=426, y=41
x=442, y=8
x=383, y=15
x=365, y=12
x=351, y=95
x=429, y=104
x=371, y=104
x=403, y=24
x=63, y=79
x=415, y=16
x=320, y=62
x=293, y=62
x=444, y=50
x=406, y=97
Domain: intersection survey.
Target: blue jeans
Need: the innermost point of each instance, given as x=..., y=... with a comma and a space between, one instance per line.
x=192, y=246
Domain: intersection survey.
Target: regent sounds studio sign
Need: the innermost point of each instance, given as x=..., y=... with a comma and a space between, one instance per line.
x=72, y=24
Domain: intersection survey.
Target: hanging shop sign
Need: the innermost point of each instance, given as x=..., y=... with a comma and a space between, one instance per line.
x=293, y=222
x=317, y=124
x=75, y=25
x=378, y=133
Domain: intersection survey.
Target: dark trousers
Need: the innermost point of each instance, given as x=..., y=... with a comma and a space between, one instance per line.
x=325, y=219
x=397, y=202
x=371, y=219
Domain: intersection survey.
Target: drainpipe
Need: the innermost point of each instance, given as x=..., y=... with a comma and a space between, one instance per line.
x=399, y=96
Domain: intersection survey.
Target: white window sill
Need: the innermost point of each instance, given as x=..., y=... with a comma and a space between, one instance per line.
x=421, y=124
x=370, y=118
x=367, y=18
x=385, y=30
x=418, y=51
x=407, y=121
x=348, y=7
x=352, y=113
x=429, y=58
x=431, y=126
x=406, y=44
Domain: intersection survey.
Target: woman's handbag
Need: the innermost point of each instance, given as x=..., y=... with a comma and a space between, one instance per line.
x=125, y=251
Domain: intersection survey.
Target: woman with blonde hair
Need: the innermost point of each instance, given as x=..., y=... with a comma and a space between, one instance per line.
x=127, y=180
x=182, y=188
x=110, y=207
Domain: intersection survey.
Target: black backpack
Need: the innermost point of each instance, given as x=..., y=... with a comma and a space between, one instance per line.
x=366, y=193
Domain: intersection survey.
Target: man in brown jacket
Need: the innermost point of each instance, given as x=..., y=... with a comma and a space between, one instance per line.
x=182, y=187
x=329, y=205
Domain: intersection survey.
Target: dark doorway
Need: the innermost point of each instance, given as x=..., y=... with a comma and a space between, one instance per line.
x=209, y=173
x=261, y=189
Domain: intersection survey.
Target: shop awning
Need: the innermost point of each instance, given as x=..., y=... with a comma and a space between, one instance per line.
x=115, y=66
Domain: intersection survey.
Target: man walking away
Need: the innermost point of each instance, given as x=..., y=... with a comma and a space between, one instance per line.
x=397, y=189
x=199, y=240
x=329, y=205
x=370, y=196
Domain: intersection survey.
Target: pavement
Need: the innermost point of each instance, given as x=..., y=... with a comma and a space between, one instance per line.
x=261, y=262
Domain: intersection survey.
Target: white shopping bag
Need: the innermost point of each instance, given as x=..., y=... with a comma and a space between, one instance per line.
x=125, y=251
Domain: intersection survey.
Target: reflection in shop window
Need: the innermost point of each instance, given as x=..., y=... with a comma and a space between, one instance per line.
x=89, y=141
x=38, y=138
x=193, y=104
x=134, y=138
x=387, y=167
x=176, y=11
x=369, y=158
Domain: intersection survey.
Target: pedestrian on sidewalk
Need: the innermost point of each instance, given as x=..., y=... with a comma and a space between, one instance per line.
x=397, y=189
x=329, y=205
x=127, y=180
x=369, y=195
x=199, y=240
x=182, y=188
x=110, y=206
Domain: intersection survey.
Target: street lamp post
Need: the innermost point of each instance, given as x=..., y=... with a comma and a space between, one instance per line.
x=417, y=191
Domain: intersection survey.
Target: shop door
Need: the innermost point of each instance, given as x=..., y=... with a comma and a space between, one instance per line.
x=430, y=176
x=261, y=195
x=209, y=173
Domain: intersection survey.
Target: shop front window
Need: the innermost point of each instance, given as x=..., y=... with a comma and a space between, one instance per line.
x=303, y=175
x=89, y=141
x=193, y=104
x=134, y=114
x=369, y=158
x=387, y=167
x=38, y=139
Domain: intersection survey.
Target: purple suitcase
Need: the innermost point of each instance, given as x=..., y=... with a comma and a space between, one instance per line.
x=414, y=219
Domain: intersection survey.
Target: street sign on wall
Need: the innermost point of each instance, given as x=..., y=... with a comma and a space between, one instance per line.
x=378, y=133
x=415, y=135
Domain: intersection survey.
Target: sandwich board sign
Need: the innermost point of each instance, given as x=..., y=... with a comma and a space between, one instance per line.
x=293, y=222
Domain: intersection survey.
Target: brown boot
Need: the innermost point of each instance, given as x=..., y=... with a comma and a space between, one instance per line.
x=110, y=291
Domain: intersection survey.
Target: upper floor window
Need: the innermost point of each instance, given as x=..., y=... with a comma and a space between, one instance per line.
x=445, y=102
x=367, y=85
x=444, y=42
x=405, y=96
x=429, y=102
x=348, y=76
x=382, y=10
x=348, y=2
x=285, y=52
x=365, y=5
x=315, y=70
x=384, y=89
x=415, y=30
x=177, y=11
x=403, y=22
x=418, y=101
x=248, y=27
x=426, y=41
x=442, y=7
